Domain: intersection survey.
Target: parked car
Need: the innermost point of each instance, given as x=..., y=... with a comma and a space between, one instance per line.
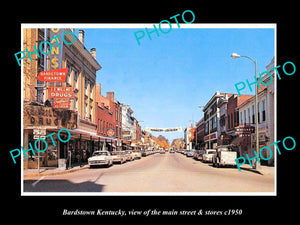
x=137, y=154
x=145, y=153
x=207, y=156
x=100, y=158
x=190, y=153
x=119, y=156
x=224, y=155
x=200, y=154
x=130, y=155
x=162, y=151
x=172, y=151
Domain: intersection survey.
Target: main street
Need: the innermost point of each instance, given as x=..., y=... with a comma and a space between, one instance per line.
x=169, y=172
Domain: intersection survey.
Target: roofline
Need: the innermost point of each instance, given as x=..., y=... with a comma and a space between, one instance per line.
x=81, y=48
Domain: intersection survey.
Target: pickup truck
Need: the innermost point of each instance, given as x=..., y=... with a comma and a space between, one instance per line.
x=224, y=156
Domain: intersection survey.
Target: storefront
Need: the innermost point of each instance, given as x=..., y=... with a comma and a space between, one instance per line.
x=211, y=140
x=49, y=120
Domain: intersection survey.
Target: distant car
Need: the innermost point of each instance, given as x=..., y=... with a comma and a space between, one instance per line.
x=137, y=154
x=196, y=153
x=119, y=157
x=145, y=153
x=207, y=156
x=190, y=153
x=100, y=158
x=162, y=151
x=200, y=154
x=130, y=155
x=172, y=151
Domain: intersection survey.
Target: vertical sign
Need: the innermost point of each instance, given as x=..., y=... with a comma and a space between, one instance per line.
x=57, y=47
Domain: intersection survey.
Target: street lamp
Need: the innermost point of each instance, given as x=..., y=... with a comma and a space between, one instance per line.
x=235, y=56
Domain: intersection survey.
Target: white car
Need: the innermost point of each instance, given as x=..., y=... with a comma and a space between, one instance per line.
x=119, y=156
x=224, y=156
x=130, y=155
x=100, y=158
x=207, y=156
x=137, y=154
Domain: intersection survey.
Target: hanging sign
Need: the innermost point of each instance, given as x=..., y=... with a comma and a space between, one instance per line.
x=110, y=132
x=58, y=75
x=60, y=92
x=175, y=129
x=57, y=47
x=61, y=103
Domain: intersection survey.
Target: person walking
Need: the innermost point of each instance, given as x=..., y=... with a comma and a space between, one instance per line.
x=68, y=160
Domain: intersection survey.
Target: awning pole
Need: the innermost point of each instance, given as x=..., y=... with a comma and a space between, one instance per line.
x=99, y=143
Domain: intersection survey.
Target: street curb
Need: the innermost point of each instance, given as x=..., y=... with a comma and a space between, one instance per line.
x=55, y=173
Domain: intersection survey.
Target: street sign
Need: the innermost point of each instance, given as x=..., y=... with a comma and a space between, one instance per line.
x=39, y=133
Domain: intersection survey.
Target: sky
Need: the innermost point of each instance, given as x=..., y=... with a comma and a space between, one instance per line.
x=165, y=79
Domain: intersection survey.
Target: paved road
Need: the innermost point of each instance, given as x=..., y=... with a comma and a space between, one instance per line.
x=156, y=173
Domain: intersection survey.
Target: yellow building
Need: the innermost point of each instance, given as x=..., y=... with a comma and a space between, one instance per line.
x=38, y=111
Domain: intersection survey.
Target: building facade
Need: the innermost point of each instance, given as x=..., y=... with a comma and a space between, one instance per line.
x=212, y=128
x=109, y=120
x=39, y=110
x=266, y=123
x=199, y=135
x=233, y=125
x=127, y=126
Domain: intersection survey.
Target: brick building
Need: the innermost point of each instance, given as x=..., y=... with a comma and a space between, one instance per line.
x=38, y=108
x=233, y=134
x=108, y=117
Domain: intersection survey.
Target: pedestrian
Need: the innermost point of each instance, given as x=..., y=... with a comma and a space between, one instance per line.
x=68, y=160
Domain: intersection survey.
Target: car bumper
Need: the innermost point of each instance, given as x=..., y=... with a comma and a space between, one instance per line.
x=117, y=160
x=98, y=162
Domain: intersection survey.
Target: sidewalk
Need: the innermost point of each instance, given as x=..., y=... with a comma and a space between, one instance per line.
x=265, y=170
x=49, y=171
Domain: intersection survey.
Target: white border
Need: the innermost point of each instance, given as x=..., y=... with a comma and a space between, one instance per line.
x=148, y=25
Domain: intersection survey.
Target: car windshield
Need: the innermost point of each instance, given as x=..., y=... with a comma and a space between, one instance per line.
x=210, y=152
x=117, y=153
x=99, y=153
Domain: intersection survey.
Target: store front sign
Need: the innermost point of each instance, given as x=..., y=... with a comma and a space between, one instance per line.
x=58, y=75
x=48, y=116
x=60, y=92
x=210, y=137
x=61, y=103
x=56, y=38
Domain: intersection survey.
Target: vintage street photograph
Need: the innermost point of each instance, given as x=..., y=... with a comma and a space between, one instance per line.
x=148, y=109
